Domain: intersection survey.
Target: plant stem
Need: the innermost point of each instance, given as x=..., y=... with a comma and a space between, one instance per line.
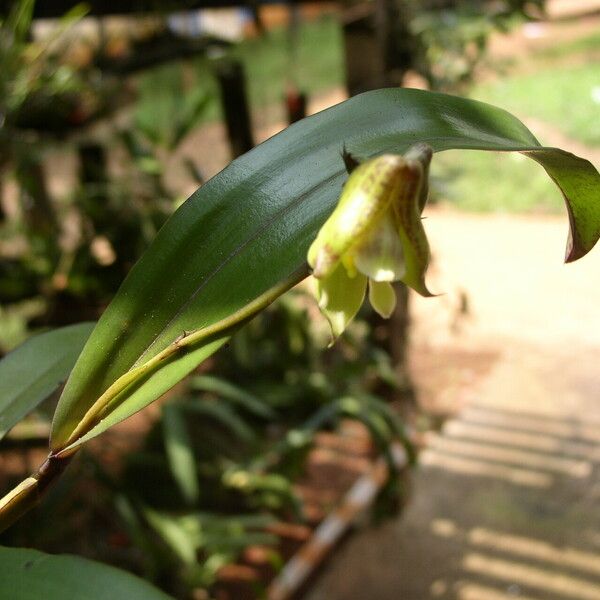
x=186, y=341
x=29, y=492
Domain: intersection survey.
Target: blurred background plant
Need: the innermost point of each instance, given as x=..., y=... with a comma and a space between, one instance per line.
x=452, y=36
x=65, y=251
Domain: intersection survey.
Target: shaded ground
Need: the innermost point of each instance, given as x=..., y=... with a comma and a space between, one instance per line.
x=505, y=501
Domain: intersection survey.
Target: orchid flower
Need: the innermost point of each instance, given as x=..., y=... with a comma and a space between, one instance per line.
x=373, y=237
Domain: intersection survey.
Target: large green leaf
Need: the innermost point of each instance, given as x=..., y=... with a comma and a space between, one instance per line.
x=250, y=226
x=32, y=575
x=35, y=369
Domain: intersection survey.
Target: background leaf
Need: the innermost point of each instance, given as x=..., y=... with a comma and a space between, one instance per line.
x=31, y=575
x=249, y=227
x=31, y=372
x=224, y=389
x=180, y=452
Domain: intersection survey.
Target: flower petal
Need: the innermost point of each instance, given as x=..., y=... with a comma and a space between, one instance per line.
x=380, y=255
x=340, y=297
x=366, y=197
x=382, y=297
x=407, y=212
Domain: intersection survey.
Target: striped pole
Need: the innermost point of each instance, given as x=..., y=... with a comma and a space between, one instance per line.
x=356, y=501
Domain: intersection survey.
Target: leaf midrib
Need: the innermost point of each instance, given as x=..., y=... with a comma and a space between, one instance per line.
x=235, y=252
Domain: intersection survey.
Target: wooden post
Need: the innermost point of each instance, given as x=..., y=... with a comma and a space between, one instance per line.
x=378, y=44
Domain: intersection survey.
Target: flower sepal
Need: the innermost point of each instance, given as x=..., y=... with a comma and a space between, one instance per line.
x=374, y=237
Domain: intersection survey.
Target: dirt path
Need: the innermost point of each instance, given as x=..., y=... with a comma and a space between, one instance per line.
x=505, y=501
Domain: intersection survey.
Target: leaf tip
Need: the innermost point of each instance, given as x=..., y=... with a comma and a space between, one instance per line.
x=576, y=249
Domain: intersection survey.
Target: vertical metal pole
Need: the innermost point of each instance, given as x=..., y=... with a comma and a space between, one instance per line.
x=2, y=210
x=230, y=75
x=295, y=104
x=35, y=199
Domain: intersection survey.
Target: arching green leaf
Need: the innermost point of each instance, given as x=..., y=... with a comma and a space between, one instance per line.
x=249, y=228
x=32, y=575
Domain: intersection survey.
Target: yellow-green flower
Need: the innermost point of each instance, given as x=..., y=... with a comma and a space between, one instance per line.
x=373, y=237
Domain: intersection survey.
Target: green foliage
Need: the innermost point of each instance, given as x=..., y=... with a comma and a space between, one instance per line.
x=34, y=86
x=289, y=185
x=215, y=265
x=220, y=539
x=564, y=76
x=571, y=98
x=314, y=62
x=31, y=575
x=312, y=59
x=237, y=396
x=588, y=46
x=451, y=40
x=178, y=446
x=166, y=112
x=71, y=250
x=219, y=465
x=35, y=90
x=461, y=182
x=31, y=372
